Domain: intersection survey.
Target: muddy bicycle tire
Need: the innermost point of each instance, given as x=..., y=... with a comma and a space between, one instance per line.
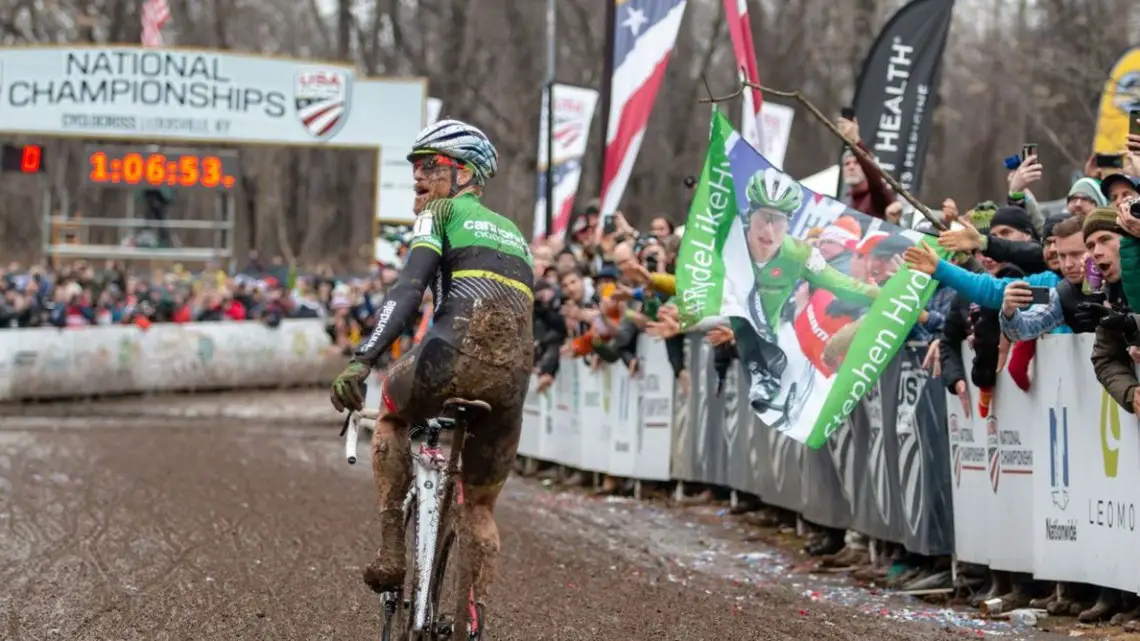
x=398, y=626
x=450, y=572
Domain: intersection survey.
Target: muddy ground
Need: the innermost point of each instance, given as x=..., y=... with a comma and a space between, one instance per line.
x=236, y=517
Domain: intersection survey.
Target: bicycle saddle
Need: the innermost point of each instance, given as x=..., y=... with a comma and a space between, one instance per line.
x=463, y=407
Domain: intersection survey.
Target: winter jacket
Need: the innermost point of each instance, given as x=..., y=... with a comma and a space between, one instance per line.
x=1114, y=368
x=1130, y=269
x=872, y=196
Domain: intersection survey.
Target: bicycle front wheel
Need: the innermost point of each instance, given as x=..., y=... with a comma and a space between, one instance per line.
x=397, y=606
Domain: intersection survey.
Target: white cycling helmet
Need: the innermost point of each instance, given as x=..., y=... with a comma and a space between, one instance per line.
x=460, y=141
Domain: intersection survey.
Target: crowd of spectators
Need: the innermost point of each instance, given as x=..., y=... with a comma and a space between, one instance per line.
x=84, y=293
x=598, y=289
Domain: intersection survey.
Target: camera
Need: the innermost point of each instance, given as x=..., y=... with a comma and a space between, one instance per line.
x=1134, y=207
x=651, y=263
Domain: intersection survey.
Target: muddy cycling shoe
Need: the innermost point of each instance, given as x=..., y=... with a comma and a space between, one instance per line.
x=386, y=572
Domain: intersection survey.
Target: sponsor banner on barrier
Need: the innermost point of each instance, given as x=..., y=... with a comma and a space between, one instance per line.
x=654, y=400
x=919, y=417
x=992, y=464
x=593, y=427
x=602, y=420
x=744, y=460
x=118, y=359
x=1087, y=471
x=532, y=420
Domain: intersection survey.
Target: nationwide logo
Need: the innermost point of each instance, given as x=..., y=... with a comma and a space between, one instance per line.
x=1109, y=434
x=994, y=451
x=1059, y=456
x=322, y=99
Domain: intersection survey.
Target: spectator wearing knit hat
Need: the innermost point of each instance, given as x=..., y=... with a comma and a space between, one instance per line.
x=1084, y=196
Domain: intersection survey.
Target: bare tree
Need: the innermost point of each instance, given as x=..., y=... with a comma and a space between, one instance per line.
x=1015, y=71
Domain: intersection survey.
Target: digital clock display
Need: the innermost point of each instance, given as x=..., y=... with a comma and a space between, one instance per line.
x=134, y=167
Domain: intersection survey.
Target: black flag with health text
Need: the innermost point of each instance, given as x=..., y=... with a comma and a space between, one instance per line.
x=894, y=97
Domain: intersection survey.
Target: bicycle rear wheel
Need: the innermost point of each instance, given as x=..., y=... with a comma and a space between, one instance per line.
x=397, y=611
x=452, y=599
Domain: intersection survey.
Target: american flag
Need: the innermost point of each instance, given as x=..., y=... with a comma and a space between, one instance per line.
x=644, y=34
x=155, y=13
x=740, y=29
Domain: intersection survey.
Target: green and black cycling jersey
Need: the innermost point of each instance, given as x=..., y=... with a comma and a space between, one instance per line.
x=470, y=256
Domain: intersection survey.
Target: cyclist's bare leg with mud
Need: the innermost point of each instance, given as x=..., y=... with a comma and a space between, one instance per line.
x=491, y=451
x=392, y=469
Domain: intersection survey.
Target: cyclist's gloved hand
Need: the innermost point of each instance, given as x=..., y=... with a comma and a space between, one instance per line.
x=347, y=388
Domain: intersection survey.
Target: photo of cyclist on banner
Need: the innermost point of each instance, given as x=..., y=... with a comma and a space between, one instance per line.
x=780, y=264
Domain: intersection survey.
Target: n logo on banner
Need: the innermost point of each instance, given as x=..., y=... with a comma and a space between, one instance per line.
x=1109, y=434
x=1059, y=457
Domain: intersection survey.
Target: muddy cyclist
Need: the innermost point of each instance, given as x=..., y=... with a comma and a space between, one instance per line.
x=481, y=274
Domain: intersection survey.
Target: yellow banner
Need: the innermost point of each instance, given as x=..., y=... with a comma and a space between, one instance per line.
x=1121, y=95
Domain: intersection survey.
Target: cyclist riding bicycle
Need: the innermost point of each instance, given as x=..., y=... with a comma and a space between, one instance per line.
x=479, y=347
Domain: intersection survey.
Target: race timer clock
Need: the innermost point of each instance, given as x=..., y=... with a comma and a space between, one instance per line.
x=134, y=167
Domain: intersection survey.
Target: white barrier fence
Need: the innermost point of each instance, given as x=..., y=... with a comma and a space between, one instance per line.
x=1058, y=467
x=51, y=363
x=602, y=420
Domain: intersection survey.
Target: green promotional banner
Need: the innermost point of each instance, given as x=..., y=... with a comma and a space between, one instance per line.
x=811, y=289
x=700, y=263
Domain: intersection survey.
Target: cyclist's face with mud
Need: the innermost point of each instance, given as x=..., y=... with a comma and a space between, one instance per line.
x=766, y=231
x=433, y=176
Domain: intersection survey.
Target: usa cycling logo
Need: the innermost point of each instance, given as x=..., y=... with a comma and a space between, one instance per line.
x=567, y=128
x=993, y=449
x=1059, y=456
x=322, y=99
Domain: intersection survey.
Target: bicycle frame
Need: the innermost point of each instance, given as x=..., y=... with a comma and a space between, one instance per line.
x=430, y=467
x=432, y=471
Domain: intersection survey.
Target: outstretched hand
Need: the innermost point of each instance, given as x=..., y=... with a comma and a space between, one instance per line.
x=965, y=239
x=921, y=258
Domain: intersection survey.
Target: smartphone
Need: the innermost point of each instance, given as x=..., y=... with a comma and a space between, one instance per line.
x=1134, y=122
x=1110, y=161
x=609, y=224
x=848, y=113
x=1040, y=295
x=1029, y=149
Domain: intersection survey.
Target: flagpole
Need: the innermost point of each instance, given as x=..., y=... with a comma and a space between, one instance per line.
x=605, y=96
x=551, y=53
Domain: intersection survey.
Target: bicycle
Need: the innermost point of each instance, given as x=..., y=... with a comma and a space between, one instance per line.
x=436, y=489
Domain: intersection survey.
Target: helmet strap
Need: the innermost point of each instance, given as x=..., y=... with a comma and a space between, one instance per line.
x=456, y=187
